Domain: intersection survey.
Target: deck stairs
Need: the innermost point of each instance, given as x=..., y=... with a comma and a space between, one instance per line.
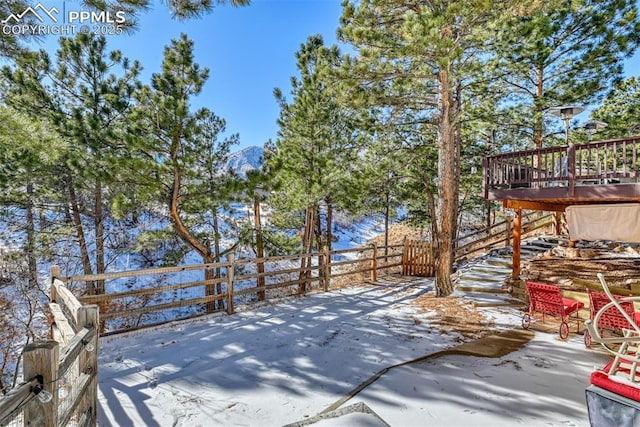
x=482, y=279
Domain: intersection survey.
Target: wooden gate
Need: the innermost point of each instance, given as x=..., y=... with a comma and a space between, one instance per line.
x=418, y=258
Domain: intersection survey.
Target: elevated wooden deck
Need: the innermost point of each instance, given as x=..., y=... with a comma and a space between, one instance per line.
x=556, y=177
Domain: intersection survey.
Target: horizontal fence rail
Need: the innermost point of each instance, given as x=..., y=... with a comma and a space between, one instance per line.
x=602, y=162
x=141, y=298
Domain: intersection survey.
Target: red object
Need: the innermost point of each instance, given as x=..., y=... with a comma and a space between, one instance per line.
x=602, y=379
x=546, y=299
x=612, y=319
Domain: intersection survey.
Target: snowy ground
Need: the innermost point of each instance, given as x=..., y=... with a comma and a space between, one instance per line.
x=286, y=362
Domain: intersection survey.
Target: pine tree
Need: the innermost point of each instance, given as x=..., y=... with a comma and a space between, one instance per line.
x=416, y=57
x=184, y=151
x=29, y=151
x=620, y=110
x=315, y=145
x=88, y=104
x=563, y=53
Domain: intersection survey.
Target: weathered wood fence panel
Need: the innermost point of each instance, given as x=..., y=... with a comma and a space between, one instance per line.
x=62, y=373
x=418, y=259
x=156, y=296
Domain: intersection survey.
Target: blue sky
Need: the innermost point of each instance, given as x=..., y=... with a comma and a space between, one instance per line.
x=249, y=51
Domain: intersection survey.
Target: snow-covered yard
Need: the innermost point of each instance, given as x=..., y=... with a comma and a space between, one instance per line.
x=288, y=361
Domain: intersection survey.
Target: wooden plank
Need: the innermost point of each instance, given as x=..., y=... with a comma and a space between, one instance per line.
x=381, y=257
x=273, y=259
x=70, y=353
x=66, y=299
x=387, y=266
x=159, y=307
x=255, y=290
x=275, y=273
x=64, y=330
x=347, y=273
x=148, y=272
x=346, y=251
x=41, y=360
x=15, y=400
x=231, y=270
x=347, y=262
x=94, y=299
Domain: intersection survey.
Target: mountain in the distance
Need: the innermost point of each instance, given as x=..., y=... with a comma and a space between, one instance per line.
x=245, y=160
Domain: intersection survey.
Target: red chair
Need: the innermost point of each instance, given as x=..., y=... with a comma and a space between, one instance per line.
x=622, y=375
x=611, y=319
x=547, y=299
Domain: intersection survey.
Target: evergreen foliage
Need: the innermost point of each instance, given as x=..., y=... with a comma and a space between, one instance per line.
x=86, y=94
x=620, y=110
x=563, y=53
x=183, y=148
x=316, y=147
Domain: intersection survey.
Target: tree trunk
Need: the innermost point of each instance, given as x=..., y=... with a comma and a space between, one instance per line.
x=31, y=241
x=216, y=255
x=259, y=244
x=538, y=113
x=318, y=229
x=99, y=224
x=181, y=229
x=329, y=232
x=387, y=201
x=77, y=222
x=307, y=241
x=447, y=186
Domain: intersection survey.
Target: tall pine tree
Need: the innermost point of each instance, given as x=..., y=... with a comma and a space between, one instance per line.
x=183, y=149
x=418, y=57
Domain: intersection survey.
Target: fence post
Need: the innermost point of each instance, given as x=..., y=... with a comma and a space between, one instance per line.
x=327, y=268
x=432, y=261
x=54, y=273
x=231, y=259
x=517, y=235
x=558, y=223
x=89, y=317
x=507, y=236
x=404, y=256
x=41, y=359
x=571, y=168
x=374, y=262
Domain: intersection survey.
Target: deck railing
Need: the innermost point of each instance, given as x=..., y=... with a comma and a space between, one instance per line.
x=603, y=162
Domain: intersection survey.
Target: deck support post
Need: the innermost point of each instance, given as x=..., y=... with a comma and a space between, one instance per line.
x=558, y=223
x=517, y=234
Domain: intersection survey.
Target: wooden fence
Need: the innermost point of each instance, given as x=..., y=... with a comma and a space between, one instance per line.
x=141, y=298
x=62, y=374
x=418, y=257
